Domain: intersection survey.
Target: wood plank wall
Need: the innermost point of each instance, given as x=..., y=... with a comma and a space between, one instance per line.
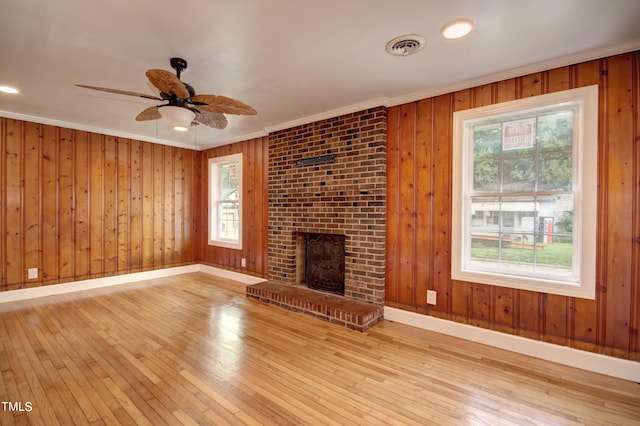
x=419, y=216
x=78, y=205
x=254, y=209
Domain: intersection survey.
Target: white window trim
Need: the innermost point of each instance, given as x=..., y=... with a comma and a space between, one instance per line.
x=214, y=163
x=585, y=155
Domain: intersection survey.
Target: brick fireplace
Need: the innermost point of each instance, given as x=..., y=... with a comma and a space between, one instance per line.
x=329, y=177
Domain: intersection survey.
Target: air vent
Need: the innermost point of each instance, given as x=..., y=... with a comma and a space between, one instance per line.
x=406, y=45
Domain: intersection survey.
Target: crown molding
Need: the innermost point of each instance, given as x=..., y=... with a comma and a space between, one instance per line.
x=576, y=58
x=242, y=138
x=360, y=106
x=92, y=129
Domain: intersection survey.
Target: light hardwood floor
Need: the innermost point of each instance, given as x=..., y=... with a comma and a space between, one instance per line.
x=193, y=350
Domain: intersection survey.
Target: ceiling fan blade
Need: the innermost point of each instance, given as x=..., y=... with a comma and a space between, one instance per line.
x=212, y=119
x=150, y=113
x=168, y=83
x=120, y=92
x=222, y=104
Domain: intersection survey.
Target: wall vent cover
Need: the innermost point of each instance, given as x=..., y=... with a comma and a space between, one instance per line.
x=406, y=45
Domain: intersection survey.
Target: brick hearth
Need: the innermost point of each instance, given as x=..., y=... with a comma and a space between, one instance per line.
x=332, y=308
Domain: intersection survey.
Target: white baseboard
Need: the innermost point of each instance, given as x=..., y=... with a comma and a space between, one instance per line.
x=232, y=275
x=49, y=290
x=611, y=366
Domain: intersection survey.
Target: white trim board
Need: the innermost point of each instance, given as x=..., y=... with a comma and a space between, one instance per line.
x=232, y=275
x=610, y=366
x=50, y=290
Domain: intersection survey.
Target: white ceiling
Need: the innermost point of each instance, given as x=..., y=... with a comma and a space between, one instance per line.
x=294, y=61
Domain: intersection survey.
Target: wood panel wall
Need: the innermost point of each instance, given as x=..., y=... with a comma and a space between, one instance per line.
x=419, y=216
x=254, y=209
x=78, y=205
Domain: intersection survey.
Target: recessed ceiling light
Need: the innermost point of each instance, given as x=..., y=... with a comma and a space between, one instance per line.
x=180, y=128
x=457, y=29
x=7, y=89
x=405, y=45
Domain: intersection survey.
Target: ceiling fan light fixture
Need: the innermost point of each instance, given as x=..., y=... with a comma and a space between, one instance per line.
x=458, y=29
x=177, y=116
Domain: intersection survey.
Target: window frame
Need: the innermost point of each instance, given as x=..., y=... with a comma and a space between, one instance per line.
x=584, y=158
x=214, y=166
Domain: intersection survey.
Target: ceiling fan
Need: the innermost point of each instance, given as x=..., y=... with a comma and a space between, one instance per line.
x=182, y=106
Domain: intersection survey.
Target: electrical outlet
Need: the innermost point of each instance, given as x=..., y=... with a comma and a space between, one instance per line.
x=32, y=273
x=431, y=297
x=243, y=262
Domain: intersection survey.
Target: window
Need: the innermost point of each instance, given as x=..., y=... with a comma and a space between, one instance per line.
x=225, y=201
x=524, y=193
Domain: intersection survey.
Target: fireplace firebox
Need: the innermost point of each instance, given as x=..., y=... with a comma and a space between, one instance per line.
x=324, y=259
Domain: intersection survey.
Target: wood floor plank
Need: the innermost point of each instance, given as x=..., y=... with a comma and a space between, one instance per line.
x=45, y=413
x=185, y=419
x=87, y=414
x=59, y=389
x=192, y=349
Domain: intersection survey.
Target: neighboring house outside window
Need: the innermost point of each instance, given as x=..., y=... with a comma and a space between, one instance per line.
x=524, y=200
x=225, y=201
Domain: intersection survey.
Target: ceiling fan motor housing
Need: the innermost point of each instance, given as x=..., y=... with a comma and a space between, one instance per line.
x=178, y=64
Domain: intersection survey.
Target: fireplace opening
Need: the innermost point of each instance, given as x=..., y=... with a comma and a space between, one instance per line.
x=324, y=262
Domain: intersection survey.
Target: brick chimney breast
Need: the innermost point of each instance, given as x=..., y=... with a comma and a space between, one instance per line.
x=344, y=195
